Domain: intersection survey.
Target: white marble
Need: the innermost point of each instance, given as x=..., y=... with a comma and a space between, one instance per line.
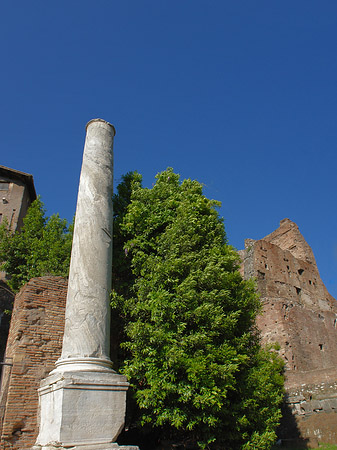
x=81, y=408
x=87, y=447
x=87, y=323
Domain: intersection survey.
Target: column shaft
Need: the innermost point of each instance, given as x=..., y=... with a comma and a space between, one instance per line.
x=87, y=323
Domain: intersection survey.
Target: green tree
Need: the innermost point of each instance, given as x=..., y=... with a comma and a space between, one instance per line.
x=122, y=276
x=42, y=247
x=121, y=271
x=193, y=354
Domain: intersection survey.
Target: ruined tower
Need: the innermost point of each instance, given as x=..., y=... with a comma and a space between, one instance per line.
x=301, y=316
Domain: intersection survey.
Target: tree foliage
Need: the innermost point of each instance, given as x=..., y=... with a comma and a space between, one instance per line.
x=122, y=276
x=122, y=273
x=193, y=354
x=42, y=247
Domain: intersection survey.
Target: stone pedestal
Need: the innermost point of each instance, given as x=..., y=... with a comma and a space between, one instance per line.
x=87, y=447
x=81, y=408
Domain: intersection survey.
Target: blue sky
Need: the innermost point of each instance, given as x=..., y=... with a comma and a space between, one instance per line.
x=240, y=95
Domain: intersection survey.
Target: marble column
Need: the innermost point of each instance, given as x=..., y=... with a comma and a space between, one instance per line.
x=87, y=323
x=82, y=401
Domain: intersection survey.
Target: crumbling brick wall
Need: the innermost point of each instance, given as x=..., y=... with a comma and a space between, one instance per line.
x=34, y=344
x=301, y=316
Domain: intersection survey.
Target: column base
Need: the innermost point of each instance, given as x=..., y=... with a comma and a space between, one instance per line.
x=86, y=364
x=81, y=410
x=113, y=446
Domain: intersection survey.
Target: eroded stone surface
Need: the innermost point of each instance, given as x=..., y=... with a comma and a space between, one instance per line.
x=113, y=446
x=82, y=408
x=289, y=237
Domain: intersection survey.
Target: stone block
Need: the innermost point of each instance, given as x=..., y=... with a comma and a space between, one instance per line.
x=113, y=446
x=85, y=409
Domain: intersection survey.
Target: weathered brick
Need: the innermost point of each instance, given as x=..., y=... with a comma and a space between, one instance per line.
x=33, y=348
x=301, y=316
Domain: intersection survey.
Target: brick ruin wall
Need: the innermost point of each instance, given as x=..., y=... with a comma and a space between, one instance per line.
x=301, y=316
x=34, y=344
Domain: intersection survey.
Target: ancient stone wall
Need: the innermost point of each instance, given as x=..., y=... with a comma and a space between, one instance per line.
x=34, y=344
x=301, y=316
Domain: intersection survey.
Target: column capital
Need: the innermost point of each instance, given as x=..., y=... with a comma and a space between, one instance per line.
x=92, y=121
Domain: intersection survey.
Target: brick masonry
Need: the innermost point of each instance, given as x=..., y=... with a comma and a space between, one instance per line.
x=34, y=344
x=301, y=316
